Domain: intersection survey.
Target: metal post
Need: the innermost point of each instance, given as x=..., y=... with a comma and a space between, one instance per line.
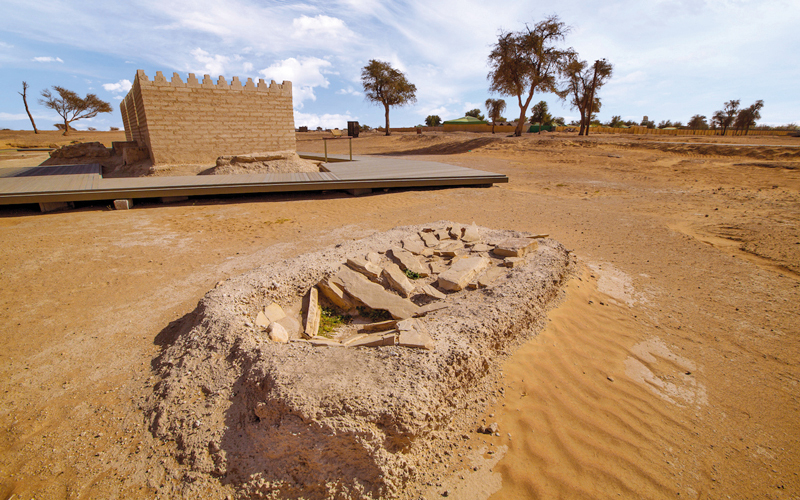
x=326, y=149
x=351, y=149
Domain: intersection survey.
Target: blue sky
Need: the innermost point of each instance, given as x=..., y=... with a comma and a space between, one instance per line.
x=672, y=58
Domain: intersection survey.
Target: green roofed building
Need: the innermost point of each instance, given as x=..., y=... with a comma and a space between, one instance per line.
x=467, y=120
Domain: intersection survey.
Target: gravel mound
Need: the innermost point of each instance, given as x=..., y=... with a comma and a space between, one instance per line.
x=289, y=420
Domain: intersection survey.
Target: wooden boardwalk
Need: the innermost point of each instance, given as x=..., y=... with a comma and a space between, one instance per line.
x=66, y=183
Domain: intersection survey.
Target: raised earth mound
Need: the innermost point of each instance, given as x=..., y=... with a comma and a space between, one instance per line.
x=255, y=163
x=344, y=373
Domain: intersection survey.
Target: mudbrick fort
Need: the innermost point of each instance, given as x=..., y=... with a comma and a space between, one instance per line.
x=177, y=122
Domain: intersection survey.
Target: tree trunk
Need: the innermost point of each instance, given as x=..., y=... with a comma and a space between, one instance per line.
x=25, y=100
x=387, y=119
x=66, y=127
x=583, y=121
x=493, y=126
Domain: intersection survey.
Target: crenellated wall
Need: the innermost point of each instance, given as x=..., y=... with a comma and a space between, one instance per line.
x=197, y=121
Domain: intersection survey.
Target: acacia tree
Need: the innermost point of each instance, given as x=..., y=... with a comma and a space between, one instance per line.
x=495, y=108
x=25, y=101
x=433, y=121
x=541, y=115
x=582, y=83
x=388, y=86
x=748, y=116
x=71, y=107
x=527, y=62
x=698, y=122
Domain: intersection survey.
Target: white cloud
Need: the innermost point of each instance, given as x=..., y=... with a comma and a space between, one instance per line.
x=350, y=91
x=312, y=121
x=320, y=27
x=212, y=65
x=121, y=86
x=305, y=73
x=248, y=67
x=47, y=59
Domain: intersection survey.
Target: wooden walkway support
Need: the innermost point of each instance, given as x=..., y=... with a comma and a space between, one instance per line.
x=68, y=183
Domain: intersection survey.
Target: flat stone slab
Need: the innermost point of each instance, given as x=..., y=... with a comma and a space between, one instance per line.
x=313, y=313
x=408, y=261
x=414, y=245
x=336, y=295
x=515, y=247
x=274, y=312
x=429, y=239
x=462, y=272
x=432, y=292
x=490, y=276
x=374, y=340
x=365, y=267
x=373, y=295
x=381, y=326
x=412, y=333
x=398, y=280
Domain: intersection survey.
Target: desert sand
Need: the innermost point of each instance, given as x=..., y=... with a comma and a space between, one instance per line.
x=669, y=369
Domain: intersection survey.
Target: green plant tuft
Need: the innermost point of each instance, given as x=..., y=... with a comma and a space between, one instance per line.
x=412, y=275
x=330, y=320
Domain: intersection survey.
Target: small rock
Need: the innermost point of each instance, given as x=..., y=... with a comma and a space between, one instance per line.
x=277, y=333
x=513, y=261
x=610, y=378
x=455, y=231
x=262, y=320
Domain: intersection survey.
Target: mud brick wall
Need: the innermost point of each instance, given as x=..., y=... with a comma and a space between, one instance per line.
x=197, y=121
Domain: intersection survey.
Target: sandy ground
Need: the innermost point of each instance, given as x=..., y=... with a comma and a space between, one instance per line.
x=669, y=369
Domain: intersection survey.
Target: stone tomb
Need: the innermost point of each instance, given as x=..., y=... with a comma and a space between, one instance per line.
x=363, y=410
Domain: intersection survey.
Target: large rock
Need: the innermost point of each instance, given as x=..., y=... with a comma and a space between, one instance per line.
x=471, y=234
x=373, y=295
x=462, y=272
x=92, y=149
x=398, y=280
x=409, y=261
x=491, y=275
x=515, y=247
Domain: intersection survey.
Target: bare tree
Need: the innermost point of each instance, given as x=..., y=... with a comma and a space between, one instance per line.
x=582, y=83
x=748, y=116
x=495, y=108
x=71, y=107
x=388, y=86
x=25, y=101
x=527, y=62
